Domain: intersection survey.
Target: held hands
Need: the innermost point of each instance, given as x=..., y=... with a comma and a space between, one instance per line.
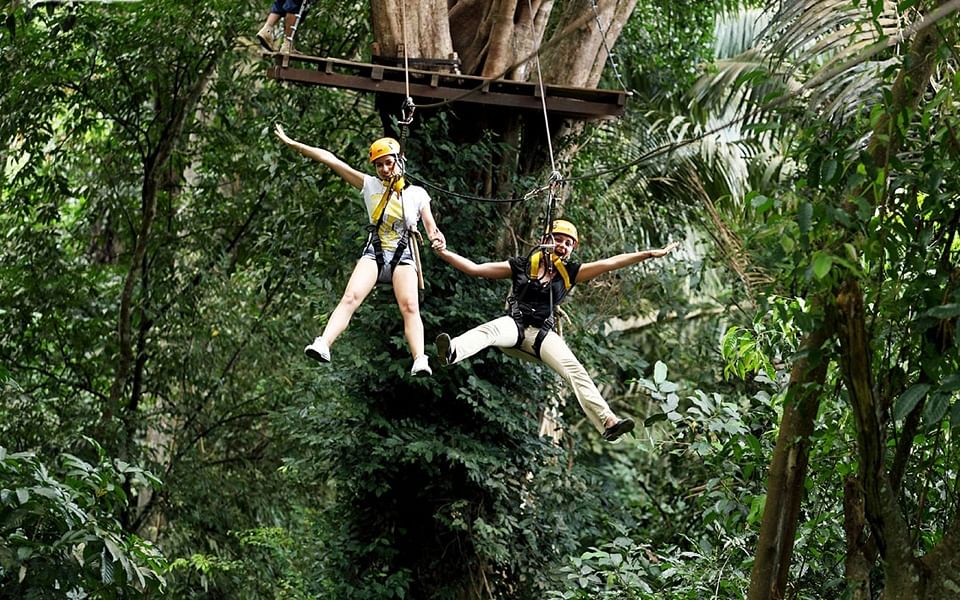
x=438, y=242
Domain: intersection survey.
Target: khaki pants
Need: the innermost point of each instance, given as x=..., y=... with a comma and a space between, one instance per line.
x=554, y=353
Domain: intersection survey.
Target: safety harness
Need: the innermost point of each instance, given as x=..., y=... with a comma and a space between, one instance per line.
x=523, y=312
x=394, y=186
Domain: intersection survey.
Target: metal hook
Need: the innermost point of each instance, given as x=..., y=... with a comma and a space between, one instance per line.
x=408, y=109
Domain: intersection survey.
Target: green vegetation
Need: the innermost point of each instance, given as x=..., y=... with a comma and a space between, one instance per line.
x=164, y=259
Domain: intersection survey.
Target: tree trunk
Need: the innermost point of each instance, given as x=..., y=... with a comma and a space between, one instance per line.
x=788, y=470
x=857, y=563
x=904, y=573
x=584, y=67
x=944, y=562
x=904, y=577
x=414, y=29
x=498, y=39
x=493, y=38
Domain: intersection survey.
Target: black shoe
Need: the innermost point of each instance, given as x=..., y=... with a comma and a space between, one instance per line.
x=445, y=355
x=619, y=428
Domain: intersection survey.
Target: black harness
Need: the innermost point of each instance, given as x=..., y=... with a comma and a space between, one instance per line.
x=373, y=237
x=524, y=313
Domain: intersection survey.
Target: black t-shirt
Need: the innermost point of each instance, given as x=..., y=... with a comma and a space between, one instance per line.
x=532, y=296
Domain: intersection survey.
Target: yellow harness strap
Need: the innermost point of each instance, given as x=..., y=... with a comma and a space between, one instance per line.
x=397, y=187
x=557, y=264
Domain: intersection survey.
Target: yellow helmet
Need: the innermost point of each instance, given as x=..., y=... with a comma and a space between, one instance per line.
x=566, y=228
x=383, y=147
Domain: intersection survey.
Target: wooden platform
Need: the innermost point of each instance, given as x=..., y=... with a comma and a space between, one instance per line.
x=427, y=87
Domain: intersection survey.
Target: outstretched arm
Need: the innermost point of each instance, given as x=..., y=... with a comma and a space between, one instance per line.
x=596, y=268
x=433, y=232
x=489, y=270
x=349, y=174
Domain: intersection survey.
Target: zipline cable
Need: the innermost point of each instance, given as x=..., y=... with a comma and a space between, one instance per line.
x=610, y=54
x=406, y=51
x=408, y=107
x=421, y=181
x=543, y=101
x=559, y=37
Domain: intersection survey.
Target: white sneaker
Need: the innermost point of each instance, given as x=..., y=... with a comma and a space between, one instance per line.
x=318, y=350
x=265, y=37
x=421, y=365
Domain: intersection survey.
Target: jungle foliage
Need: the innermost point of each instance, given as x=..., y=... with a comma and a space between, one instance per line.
x=163, y=261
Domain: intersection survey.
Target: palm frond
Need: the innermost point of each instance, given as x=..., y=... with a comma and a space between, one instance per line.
x=737, y=32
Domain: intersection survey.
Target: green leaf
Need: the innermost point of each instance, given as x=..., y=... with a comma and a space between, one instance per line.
x=659, y=372
x=935, y=409
x=754, y=444
x=908, y=400
x=106, y=567
x=851, y=252
x=654, y=419
x=821, y=264
x=761, y=203
x=115, y=551
x=787, y=243
x=950, y=383
x=944, y=311
x=756, y=508
x=827, y=170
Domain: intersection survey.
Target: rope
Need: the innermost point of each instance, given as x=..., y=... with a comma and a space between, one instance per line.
x=556, y=39
x=408, y=107
x=555, y=178
x=421, y=181
x=403, y=36
x=543, y=102
x=610, y=55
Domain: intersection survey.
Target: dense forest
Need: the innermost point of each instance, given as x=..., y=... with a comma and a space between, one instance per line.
x=793, y=367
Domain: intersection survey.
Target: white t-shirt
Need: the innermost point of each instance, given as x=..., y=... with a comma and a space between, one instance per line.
x=414, y=199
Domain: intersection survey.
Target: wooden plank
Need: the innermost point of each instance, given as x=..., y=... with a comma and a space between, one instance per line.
x=570, y=102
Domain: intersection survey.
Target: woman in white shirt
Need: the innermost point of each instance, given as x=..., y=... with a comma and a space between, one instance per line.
x=394, y=208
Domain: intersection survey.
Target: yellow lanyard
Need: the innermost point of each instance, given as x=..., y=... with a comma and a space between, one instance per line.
x=389, y=189
x=557, y=264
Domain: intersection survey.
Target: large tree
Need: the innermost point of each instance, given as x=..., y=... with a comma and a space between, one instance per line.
x=868, y=224
x=514, y=40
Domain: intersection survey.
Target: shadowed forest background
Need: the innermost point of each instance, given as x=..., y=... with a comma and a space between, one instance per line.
x=795, y=368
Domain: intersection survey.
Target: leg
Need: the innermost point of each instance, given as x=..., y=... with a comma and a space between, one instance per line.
x=272, y=20
x=362, y=280
x=288, y=22
x=289, y=9
x=265, y=35
x=276, y=11
x=501, y=332
x=555, y=353
x=408, y=299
